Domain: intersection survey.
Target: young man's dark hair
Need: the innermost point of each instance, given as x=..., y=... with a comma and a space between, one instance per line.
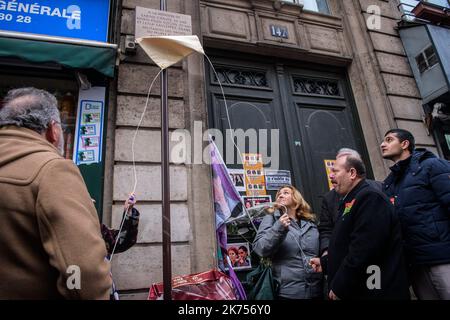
x=403, y=135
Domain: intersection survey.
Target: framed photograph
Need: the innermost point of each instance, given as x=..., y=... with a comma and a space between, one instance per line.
x=239, y=254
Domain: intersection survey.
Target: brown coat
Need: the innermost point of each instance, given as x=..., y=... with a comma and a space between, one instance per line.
x=47, y=223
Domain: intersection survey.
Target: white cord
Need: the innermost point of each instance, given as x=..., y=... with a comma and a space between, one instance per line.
x=228, y=115
x=134, y=161
x=118, y=235
x=137, y=130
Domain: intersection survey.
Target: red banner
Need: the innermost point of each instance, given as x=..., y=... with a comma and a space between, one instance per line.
x=209, y=285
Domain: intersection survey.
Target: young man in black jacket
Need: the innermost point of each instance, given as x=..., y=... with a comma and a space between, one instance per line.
x=365, y=256
x=419, y=188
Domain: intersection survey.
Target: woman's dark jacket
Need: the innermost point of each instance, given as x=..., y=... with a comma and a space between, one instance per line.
x=289, y=265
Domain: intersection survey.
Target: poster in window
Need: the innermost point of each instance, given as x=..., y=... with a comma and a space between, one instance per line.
x=89, y=126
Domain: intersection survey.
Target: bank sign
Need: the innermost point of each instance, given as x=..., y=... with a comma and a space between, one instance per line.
x=80, y=19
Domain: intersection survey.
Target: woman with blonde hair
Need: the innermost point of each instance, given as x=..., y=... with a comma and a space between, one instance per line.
x=289, y=236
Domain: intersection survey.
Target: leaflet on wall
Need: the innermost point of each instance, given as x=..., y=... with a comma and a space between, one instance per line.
x=90, y=116
x=254, y=174
x=328, y=166
x=237, y=177
x=275, y=179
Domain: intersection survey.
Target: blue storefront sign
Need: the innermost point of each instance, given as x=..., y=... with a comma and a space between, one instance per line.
x=80, y=19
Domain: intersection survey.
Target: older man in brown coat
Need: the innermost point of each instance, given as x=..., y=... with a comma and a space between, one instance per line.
x=50, y=241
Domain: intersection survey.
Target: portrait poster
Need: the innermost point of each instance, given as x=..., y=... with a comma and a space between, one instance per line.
x=239, y=254
x=238, y=179
x=252, y=201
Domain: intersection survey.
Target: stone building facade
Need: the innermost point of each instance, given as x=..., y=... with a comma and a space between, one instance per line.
x=368, y=65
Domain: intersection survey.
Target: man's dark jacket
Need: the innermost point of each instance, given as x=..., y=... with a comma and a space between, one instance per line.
x=419, y=187
x=367, y=233
x=329, y=214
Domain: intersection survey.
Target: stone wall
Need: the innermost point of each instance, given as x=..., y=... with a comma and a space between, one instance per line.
x=383, y=86
x=244, y=25
x=401, y=89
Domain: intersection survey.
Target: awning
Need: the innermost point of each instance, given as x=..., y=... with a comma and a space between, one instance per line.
x=74, y=55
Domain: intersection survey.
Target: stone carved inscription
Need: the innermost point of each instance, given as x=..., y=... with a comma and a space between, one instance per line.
x=150, y=22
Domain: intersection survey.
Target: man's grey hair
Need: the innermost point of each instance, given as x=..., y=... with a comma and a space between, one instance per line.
x=348, y=152
x=29, y=108
x=353, y=160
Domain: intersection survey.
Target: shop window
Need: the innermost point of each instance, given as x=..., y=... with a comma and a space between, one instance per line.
x=313, y=5
x=67, y=108
x=426, y=59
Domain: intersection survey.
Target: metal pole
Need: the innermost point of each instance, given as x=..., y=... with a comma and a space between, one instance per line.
x=165, y=181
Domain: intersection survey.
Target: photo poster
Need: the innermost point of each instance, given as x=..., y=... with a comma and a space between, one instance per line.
x=275, y=179
x=239, y=254
x=251, y=201
x=328, y=166
x=89, y=126
x=238, y=179
x=254, y=174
